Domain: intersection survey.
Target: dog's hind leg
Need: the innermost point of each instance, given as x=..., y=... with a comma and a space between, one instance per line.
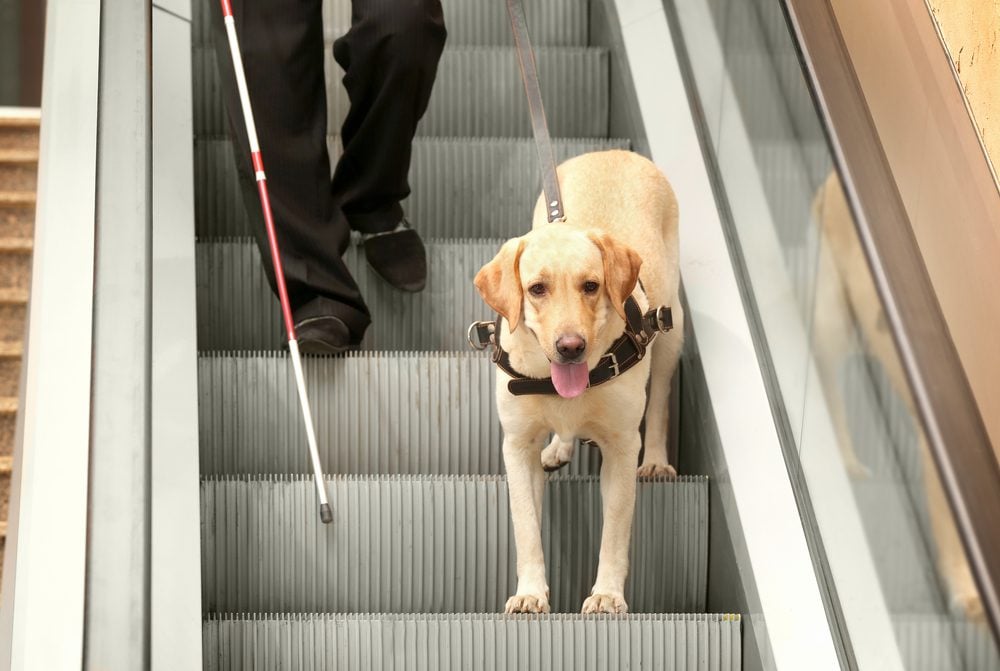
x=558, y=453
x=666, y=351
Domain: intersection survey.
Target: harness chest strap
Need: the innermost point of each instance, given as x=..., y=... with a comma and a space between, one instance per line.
x=624, y=353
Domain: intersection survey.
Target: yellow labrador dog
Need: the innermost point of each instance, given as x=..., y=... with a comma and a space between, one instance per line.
x=561, y=290
x=842, y=258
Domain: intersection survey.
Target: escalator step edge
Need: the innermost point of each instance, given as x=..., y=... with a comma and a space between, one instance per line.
x=464, y=641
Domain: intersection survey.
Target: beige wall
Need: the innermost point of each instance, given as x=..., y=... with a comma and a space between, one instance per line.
x=971, y=30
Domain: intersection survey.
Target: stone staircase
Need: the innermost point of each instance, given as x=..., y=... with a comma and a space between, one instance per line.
x=18, y=168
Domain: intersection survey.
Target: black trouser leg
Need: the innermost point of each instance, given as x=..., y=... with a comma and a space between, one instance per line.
x=390, y=57
x=282, y=46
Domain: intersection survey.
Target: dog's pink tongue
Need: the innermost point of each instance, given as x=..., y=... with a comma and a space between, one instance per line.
x=570, y=379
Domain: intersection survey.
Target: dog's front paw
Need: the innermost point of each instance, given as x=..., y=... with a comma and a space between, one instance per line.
x=527, y=603
x=971, y=605
x=605, y=603
x=557, y=454
x=656, y=470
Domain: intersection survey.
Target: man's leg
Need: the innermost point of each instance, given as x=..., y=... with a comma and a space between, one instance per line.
x=282, y=46
x=390, y=57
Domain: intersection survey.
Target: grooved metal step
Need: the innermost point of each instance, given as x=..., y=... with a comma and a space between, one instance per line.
x=398, y=413
x=893, y=500
x=553, y=22
x=933, y=643
x=477, y=91
x=236, y=310
x=435, y=544
x=900, y=550
x=463, y=642
x=461, y=187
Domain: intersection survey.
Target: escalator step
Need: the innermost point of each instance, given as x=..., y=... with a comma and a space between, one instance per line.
x=461, y=187
x=462, y=642
x=236, y=310
x=435, y=544
x=553, y=22
x=934, y=642
x=478, y=91
x=898, y=547
x=428, y=413
x=399, y=413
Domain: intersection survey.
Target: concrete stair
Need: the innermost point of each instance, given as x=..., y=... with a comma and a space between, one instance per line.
x=18, y=180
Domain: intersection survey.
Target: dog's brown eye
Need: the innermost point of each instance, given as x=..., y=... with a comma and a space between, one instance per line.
x=537, y=289
x=590, y=287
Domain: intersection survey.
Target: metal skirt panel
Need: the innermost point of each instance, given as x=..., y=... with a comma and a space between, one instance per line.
x=477, y=92
x=463, y=642
x=461, y=187
x=236, y=310
x=436, y=545
x=391, y=413
x=560, y=23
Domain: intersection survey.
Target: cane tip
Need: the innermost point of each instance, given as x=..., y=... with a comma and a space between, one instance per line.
x=325, y=513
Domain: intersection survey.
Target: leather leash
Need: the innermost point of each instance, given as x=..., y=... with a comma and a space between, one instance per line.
x=640, y=329
x=539, y=126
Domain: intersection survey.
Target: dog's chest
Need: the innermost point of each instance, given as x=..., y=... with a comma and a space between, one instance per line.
x=565, y=418
x=606, y=409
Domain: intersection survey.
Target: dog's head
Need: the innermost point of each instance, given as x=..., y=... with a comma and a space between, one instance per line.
x=565, y=284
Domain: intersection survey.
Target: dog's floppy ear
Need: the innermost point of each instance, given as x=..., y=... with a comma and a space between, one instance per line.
x=621, y=270
x=499, y=282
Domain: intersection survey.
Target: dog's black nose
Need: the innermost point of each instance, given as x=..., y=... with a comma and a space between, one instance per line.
x=571, y=346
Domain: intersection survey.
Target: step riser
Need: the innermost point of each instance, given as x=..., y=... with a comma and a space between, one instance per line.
x=553, y=22
x=7, y=424
x=15, y=270
x=436, y=545
x=12, y=322
x=402, y=413
x=237, y=311
x=4, y=502
x=18, y=136
x=18, y=176
x=476, y=92
x=688, y=643
x=460, y=188
x=16, y=221
x=10, y=375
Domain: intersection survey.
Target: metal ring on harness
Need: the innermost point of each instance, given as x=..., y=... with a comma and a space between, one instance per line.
x=664, y=319
x=481, y=334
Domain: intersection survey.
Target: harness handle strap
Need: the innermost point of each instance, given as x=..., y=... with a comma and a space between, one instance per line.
x=539, y=125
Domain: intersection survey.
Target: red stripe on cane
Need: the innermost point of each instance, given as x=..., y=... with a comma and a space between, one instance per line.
x=227, y=8
x=258, y=161
x=279, y=272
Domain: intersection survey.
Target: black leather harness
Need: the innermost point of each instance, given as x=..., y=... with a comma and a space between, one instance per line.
x=624, y=353
x=640, y=329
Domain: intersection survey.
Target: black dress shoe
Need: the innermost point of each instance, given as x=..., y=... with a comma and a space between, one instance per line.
x=323, y=335
x=398, y=257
